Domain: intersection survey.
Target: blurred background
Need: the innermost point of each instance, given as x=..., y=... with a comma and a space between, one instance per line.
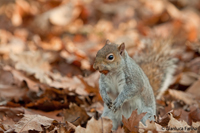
x=73, y=31
x=47, y=47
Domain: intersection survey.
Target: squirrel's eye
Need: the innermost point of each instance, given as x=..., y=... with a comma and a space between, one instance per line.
x=110, y=57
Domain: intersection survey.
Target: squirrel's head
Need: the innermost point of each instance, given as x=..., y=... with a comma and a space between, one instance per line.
x=109, y=57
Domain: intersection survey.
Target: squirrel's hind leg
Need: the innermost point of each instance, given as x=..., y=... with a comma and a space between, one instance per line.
x=115, y=117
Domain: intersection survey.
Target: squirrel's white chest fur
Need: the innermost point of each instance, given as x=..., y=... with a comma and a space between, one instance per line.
x=116, y=84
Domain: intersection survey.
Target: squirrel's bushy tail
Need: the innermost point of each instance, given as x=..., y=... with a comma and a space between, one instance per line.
x=158, y=64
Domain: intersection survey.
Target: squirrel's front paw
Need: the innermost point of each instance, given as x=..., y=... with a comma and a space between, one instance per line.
x=116, y=105
x=108, y=102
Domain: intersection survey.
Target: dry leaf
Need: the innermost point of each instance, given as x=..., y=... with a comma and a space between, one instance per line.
x=61, y=16
x=188, y=78
x=93, y=126
x=180, y=95
x=91, y=89
x=61, y=129
x=93, y=79
x=19, y=77
x=132, y=123
x=195, y=115
x=194, y=65
x=8, y=87
x=64, y=14
x=33, y=63
x=8, y=123
x=150, y=126
x=64, y=128
x=195, y=127
x=178, y=125
x=181, y=114
x=15, y=45
x=47, y=104
x=33, y=122
x=194, y=89
x=53, y=114
x=75, y=115
x=13, y=113
x=48, y=43
x=97, y=106
x=9, y=92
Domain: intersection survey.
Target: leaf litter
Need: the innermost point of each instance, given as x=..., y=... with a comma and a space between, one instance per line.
x=47, y=48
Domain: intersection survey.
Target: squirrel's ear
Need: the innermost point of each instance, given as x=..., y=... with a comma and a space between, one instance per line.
x=108, y=42
x=121, y=48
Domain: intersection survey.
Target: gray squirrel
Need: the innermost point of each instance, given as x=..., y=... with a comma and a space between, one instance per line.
x=126, y=85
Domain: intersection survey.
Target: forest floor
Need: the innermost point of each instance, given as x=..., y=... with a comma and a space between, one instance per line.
x=47, y=49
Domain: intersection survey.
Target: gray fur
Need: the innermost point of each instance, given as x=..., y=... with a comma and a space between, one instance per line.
x=126, y=89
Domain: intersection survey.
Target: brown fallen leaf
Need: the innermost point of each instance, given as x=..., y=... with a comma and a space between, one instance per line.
x=96, y=126
x=60, y=16
x=72, y=84
x=195, y=127
x=132, y=123
x=191, y=25
x=8, y=88
x=20, y=77
x=75, y=115
x=97, y=106
x=194, y=89
x=188, y=114
x=180, y=95
x=195, y=115
x=150, y=126
x=177, y=125
x=6, y=77
x=8, y=123
x=70, y=125
x=33, y=63
x=5, y=36
x=61, y=129
x=14, y=113
x=91, y=89
x=53, y=114
x=181, y=114
x=188, y=78
x=47, y=104
x=1, y=129
x=163, y=121
x=93, y=79
x=33, y=122
x=15, y=45
x=64, y=128
x=8, y=93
